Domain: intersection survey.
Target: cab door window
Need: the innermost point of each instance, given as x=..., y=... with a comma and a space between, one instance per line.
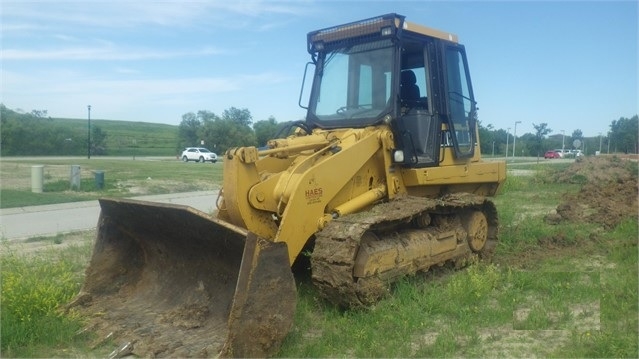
x=419, y=126
x=461, y=105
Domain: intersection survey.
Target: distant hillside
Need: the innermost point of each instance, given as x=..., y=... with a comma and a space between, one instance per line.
x=123, y=137
x=34, y=134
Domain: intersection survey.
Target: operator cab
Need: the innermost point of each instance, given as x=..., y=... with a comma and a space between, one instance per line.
x=386, y=70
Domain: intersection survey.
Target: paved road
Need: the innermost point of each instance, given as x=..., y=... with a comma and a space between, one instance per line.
x=49, y=220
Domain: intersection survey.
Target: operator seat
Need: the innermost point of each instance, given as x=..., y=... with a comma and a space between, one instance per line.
x=409, y=91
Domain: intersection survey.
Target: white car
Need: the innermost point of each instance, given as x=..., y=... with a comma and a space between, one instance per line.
x=198, y=154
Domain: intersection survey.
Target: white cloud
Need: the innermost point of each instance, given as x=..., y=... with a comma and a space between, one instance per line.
x=126, y=70
x=66, y=38
x=129, y=14
x=101, y=53
x=260, y=7
x=18, y=27
x=69, y=86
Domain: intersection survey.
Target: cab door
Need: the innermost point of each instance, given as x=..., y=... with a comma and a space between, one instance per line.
x=460, y=102
x=419, y=123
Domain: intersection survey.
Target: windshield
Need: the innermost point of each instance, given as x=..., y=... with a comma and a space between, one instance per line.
x=353, y=85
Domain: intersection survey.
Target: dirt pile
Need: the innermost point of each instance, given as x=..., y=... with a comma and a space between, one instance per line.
x=608, y=194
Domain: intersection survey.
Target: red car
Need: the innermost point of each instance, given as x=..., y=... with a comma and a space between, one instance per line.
x=552, y=154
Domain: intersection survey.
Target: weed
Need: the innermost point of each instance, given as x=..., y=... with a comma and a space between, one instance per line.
x=514, y=183
x=33, y=289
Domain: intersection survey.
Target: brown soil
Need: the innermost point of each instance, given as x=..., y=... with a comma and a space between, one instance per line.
x=608, y=194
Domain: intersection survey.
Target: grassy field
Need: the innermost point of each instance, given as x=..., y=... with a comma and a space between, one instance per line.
x=129, y=138
x=35, y=285
x=552, y=290
x=123, y=177
x=567, y=290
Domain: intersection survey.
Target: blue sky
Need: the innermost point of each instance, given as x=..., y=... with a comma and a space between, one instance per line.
x=571, y=64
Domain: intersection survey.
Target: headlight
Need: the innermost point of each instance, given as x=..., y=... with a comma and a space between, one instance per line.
x=398, y=156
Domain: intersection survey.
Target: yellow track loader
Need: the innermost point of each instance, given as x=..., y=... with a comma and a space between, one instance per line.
x=381, y=180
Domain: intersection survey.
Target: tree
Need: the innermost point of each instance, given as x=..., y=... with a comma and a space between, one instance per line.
x=239, y=122
x=265, y=130
x=541, y=131
x=577, y=135
x=220, y=135
x=486, y=137
x=188, y=130
x=624, y=133
x=217, y=133
x=31, y=134
x=489, y=137
x=241, y=117
x=98, y=141
x=527, y=143
x=500, y=140
x=205, y=115
x=39, y=113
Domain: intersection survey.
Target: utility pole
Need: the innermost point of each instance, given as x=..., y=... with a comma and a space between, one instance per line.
x=515, y=138
x=89, y=134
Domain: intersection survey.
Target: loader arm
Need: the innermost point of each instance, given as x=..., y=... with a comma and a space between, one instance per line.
x=291, y=205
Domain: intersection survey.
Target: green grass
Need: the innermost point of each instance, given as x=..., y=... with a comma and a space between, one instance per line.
x=20, y=198
x=122, y=178
x=551, y=291
x=523, y=203
x=33, y=290
x=129, y=138
x=618, y=300
x=549, y=309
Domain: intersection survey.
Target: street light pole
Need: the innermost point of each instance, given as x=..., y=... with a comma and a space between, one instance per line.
x=515, y=138
x=599, y=142
x=89, y=134
x=563, y=138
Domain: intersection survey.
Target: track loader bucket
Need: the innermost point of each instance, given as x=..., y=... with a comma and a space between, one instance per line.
x=169, y=280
